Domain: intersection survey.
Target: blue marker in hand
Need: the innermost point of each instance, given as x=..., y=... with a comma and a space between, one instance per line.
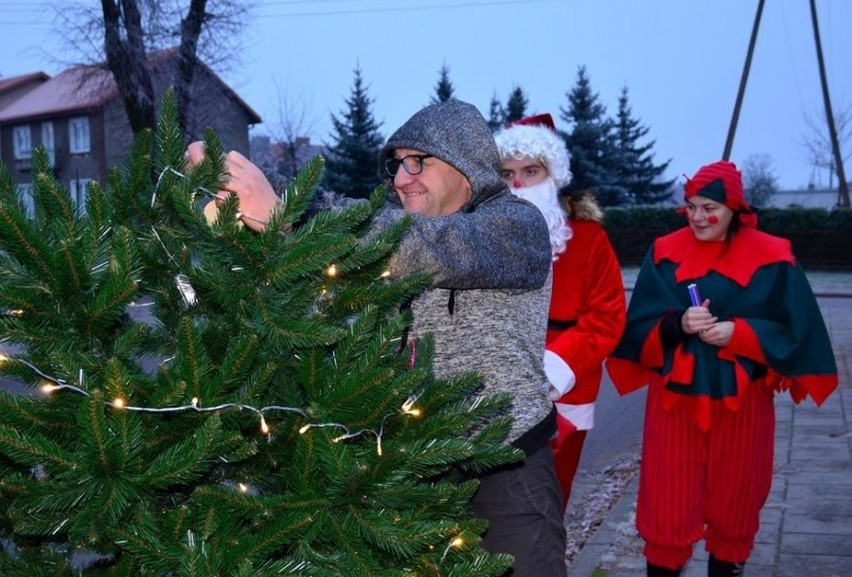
x=694, y=297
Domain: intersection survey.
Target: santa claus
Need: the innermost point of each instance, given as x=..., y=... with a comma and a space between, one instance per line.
x=587, y=309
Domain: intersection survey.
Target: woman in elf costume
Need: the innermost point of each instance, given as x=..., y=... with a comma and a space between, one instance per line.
x=721, y=317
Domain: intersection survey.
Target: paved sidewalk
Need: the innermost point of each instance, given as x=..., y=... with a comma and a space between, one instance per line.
x=806, y=525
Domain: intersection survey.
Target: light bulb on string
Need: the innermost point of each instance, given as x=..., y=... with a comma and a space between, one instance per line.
x=52, y=384
x=455, y=543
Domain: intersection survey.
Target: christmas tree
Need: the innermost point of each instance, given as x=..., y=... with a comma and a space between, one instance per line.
x=201, y=400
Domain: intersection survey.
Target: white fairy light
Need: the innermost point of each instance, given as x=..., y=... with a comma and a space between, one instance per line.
x=53, y=384
x=455, y=543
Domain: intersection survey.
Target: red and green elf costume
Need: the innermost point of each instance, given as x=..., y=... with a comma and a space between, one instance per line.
x=709, y=425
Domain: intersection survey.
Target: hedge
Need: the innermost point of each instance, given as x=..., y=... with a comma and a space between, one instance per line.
x=821, y=238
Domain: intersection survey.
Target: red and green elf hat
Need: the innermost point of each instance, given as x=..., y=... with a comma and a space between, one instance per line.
x=720, y=181
x=723, y=182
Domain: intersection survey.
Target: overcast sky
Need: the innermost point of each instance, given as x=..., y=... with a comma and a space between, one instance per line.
x=681, y=60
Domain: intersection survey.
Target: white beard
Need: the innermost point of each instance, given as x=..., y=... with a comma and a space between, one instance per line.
x=545, y=197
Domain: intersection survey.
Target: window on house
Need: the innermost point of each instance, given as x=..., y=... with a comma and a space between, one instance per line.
x=25, y=191
x=77, y=188
x=47, y=141
x=78, y=133
x=23, y=142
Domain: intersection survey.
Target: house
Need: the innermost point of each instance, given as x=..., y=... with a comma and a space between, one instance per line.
x=14, y=87
x=79, y=118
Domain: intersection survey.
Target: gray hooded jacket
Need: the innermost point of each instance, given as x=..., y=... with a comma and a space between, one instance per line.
x=490, y=267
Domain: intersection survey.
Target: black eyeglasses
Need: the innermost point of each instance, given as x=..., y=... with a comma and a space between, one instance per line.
x=412, y=164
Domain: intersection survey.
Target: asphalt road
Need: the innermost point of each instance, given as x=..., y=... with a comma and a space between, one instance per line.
x=618, y=428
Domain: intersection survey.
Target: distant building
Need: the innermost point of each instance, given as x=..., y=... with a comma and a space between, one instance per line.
x=804, y=198
x=79, y=118
x=279, y=157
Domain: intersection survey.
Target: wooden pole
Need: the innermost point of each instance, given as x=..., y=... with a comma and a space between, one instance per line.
x=732, y=129
x=843, y=188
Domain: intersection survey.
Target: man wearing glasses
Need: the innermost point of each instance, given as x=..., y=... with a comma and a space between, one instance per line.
x=488, y=254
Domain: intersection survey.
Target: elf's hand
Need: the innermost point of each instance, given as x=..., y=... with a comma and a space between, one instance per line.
x=719, y=334
x=697, y=319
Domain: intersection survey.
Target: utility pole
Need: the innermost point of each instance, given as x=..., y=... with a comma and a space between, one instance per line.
x=732, y=129
x=843, y=186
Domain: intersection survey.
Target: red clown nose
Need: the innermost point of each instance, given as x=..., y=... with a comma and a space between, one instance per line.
x=713, y=219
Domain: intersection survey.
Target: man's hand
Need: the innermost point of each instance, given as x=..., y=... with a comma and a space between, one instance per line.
x=247, y=181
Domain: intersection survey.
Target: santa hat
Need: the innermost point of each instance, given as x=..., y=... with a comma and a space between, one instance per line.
x=535, y=137
x=722, y=182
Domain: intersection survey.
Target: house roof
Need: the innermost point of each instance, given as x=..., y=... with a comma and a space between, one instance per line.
x=73, y=90
x=85, y=88
x=14, y=82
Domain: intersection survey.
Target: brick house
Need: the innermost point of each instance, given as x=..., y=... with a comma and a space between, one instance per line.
x=79, y=118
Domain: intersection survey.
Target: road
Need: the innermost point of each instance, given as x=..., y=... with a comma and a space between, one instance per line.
x=618, y=428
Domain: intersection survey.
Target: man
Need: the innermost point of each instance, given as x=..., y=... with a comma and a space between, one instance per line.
x=587, y=308
x=488, y=255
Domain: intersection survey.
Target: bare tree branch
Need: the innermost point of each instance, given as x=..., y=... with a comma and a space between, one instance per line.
x=293, y=125
x=759, y=181
x=133, y=30
x=817, y=142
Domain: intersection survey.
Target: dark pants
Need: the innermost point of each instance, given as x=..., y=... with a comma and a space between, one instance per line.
x=523, y=506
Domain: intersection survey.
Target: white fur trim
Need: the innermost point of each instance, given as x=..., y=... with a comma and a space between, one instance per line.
x=538, y=142
x=581, y=416
x=560, y=375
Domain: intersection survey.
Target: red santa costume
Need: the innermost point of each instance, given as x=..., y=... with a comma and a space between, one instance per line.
x=587, y=308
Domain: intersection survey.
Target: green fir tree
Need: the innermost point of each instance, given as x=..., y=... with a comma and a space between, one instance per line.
x=352, y=169
x=635, y=166
x=516, y=105
x=444, y=90
x=200, y=400
x=496, y=114
x=591, y=144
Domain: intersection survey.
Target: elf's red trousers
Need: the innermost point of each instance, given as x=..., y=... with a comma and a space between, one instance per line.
x=709, y=484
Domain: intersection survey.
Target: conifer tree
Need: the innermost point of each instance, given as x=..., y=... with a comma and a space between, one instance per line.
x=202, y=401
x=496, y=114
x=516, y=105
x=591, y=144
x=635, y=166
x=444, y=89
x=352, y=169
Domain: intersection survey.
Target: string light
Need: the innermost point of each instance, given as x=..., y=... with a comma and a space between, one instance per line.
x=331, y=271
x=53, y=384
x=408, y=406
x=455, y=543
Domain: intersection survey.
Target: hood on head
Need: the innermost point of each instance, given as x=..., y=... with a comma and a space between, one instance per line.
x=457, y=133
